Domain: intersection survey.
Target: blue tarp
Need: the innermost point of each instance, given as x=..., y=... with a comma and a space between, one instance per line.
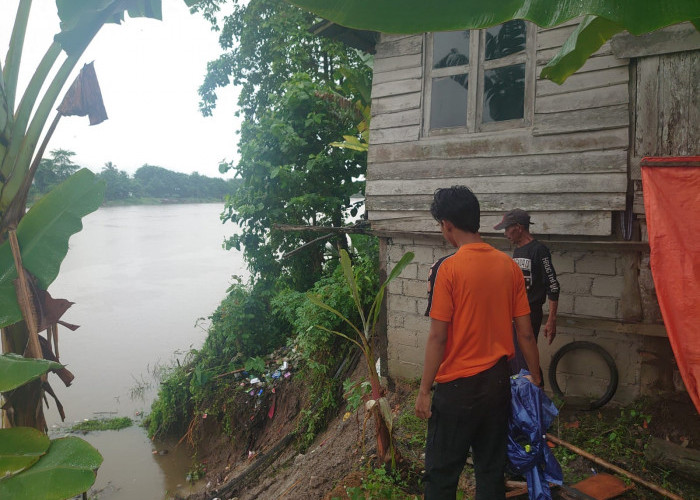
x=531, y=414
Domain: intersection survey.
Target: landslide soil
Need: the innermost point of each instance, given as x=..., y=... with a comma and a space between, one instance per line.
x=335, y=453
x=341, y=456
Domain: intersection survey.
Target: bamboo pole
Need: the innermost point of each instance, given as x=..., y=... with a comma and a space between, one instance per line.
x=614, y=468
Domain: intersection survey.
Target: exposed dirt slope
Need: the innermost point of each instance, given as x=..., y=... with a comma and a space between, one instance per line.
x=261, y=461
x=338, y=457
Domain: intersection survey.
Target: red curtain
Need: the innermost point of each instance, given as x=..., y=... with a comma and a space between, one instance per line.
x=672, y=203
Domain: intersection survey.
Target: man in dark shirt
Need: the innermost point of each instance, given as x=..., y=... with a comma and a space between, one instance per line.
x=541, y=283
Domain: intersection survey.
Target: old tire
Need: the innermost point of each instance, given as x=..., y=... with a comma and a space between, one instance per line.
x=599, y=351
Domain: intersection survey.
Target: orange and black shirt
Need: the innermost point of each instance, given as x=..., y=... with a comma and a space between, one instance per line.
x=478, y=290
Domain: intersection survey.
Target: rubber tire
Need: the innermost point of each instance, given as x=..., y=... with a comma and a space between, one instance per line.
x=572, y=346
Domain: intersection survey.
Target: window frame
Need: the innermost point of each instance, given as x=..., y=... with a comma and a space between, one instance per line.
x=475, y=85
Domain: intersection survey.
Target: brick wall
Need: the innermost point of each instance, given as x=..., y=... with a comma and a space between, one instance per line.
x=592, y=285
x=407, y=327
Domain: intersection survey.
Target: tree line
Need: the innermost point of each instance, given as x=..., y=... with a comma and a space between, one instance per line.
x=149, y=181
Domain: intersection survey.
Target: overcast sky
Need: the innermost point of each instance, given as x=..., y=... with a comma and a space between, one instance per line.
x=149, y=72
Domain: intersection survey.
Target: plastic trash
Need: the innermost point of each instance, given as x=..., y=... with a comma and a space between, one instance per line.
x=287, y=374
x=284, y=366
x=254, y=381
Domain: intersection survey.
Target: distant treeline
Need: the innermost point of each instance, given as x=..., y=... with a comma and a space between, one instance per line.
x=149, y=181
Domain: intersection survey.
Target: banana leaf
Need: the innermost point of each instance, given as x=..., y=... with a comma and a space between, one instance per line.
x=81, y=19
x=43, y=236
x=20, y=448
x=16, y=370
x=419, y=16
x=588, y=37
x=67, y=469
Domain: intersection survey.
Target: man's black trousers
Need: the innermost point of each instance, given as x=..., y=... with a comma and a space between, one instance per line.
x=469, y=412
x=518, y=362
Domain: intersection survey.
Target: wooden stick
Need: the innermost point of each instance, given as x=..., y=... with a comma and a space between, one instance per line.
x=354, y=229
x=25, y=298
x=284, y=493
x=239, y=370
x=613, y=468
x=308, y=243
x=515, y=488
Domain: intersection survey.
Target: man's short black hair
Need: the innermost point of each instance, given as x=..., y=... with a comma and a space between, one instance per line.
x=458, y=205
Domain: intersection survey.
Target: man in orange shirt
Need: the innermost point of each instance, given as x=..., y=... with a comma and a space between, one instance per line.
x=475, y=295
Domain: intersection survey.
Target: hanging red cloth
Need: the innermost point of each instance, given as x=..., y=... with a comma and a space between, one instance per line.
x=672, y=204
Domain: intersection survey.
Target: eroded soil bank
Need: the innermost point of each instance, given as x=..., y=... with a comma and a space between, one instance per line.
x=263, y=461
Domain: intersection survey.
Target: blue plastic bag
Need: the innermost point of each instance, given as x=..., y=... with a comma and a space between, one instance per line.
x=532, y=412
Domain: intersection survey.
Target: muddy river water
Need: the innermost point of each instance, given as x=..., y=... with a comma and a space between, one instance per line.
x=140, y=278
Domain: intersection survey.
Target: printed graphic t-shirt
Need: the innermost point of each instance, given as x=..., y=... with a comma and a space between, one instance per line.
x=478, y=290
x=535, y=261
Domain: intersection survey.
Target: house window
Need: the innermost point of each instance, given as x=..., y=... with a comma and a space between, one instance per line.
x=480, y=80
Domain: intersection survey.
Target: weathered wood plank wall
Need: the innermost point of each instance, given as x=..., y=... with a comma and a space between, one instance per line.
x=666, y=110
x=569, y=167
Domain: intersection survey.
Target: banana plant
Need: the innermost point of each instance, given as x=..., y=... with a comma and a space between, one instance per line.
x=21, y=125
x=43, y=236
x=362, y=338
x=31, y=465
x=40, y=237
x=33, y=245
x=603, y=19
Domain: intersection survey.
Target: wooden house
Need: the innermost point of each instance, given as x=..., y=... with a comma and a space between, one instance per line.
x=469, y=108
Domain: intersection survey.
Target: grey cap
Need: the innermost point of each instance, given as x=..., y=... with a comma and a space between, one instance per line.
x=515, y=216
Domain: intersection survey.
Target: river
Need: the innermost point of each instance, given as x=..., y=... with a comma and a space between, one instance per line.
x=140, y=277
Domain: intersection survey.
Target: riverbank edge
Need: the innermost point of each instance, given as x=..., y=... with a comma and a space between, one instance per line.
x=159, y=201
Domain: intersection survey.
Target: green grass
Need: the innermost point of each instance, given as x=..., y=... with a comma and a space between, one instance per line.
x=409, y=429
x=618, y=436
x=379, y=484
x=107, y=424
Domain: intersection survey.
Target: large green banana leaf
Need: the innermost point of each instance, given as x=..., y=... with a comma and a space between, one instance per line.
x=16, y=370
x=43, y=236
x=67, y=469
x=20, y=448
x=588, y=37
x=418, y=16
x=81, y=19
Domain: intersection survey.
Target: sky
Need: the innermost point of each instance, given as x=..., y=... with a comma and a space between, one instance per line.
x=149, y=72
